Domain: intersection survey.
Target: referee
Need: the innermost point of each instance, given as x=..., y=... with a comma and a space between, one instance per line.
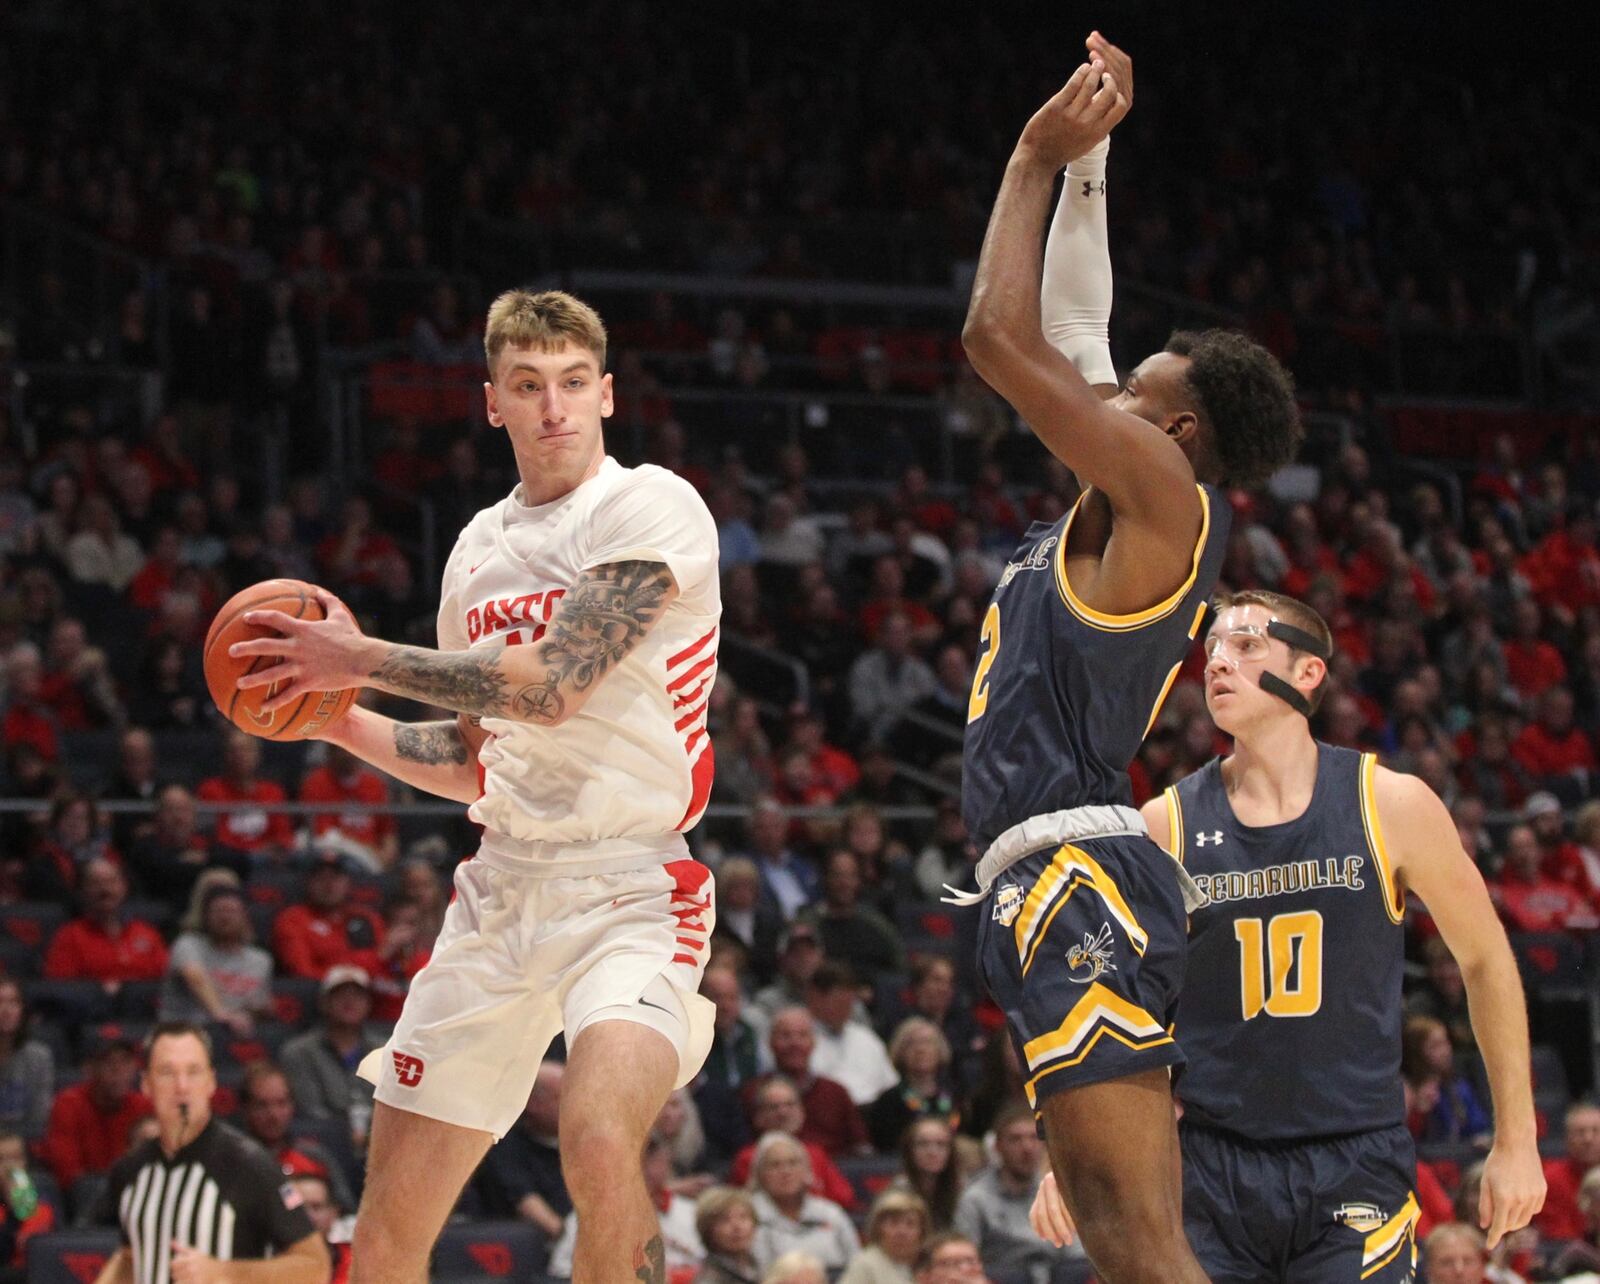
x=200, y=1203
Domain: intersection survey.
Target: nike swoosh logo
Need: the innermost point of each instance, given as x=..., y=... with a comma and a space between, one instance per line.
x=473, y=570
x=656, y=1006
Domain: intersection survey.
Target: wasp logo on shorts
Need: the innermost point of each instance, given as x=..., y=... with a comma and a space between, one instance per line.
x=1360, y=1217
x=1008, y=898
x=1092, y=958
x=408, y=1069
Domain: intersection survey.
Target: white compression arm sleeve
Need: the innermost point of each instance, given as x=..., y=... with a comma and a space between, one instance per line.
x=1075, y=294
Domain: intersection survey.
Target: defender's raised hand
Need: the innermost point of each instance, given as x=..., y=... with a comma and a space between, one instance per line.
x=1085, y=110
x=1117, y=63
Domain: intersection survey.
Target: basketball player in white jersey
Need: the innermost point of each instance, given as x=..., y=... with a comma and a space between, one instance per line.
x=578, y=645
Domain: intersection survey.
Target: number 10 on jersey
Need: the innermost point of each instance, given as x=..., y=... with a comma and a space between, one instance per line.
x=1264, y=973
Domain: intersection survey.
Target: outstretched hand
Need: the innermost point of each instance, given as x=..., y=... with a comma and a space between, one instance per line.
x=1085, y=110
x=331, y=654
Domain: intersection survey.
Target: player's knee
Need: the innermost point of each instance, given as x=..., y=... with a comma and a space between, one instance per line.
x=596, y=1152
x=384, y=1250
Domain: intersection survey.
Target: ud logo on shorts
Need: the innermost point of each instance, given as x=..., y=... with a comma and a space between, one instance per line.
x=1008, y=898
x=407, y=1069
x=1360, y=1217
x=1093, y=958
x=1213, y=839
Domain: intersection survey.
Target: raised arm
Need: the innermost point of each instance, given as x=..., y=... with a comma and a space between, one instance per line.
x=1428, y=859
x=1142, y=471
x=607, y=612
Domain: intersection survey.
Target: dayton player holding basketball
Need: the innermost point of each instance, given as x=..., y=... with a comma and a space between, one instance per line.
x=1085, y=633
x=578, y=644
x=1297, y=1165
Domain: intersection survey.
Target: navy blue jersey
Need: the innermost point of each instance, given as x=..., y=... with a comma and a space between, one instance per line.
x=1064, y=694
x=1291, y=1011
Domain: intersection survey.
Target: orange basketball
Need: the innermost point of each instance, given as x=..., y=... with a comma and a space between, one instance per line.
x=314, y=712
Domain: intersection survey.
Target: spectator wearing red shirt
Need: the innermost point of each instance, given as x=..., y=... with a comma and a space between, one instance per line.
x=833, y=1123
x=89, y=1121
x=355, y=553
x=158, y=577
x=1531, y=901
x=1552, y=750
x=1564, y=569
x=252, y=832
x=887, y=597
x=831, y=767
x=22, y=1213
x=1561, y=1218
x=267, y=1109
x=1532, y=664
x=77, y=683
x=327, y=929
x=775, y=1107
x=367, y=837
x=29, y=719
x=101, y=944
x=1559, y=857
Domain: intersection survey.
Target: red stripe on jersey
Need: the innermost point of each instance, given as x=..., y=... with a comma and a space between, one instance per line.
x=700, y=777
x=689, y=697
x=694, y=738
x=674, y=661
x=689, y=717
x=685, y=958
x=689, y=675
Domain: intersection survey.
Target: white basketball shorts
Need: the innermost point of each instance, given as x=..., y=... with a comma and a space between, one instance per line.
x=523, y=957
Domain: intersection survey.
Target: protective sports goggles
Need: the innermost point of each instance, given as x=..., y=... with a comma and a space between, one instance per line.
x=1247, y=643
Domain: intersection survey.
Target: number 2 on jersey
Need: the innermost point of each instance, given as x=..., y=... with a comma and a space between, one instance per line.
x=990, y=637
x=1264, y=982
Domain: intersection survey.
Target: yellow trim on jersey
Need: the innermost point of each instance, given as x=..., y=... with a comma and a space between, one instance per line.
x=1174, y=823
x=1071, y=869
x=1394, y=900
x=1386, y=1243
x=1200, y=609
x=1098, y=1014
x=1127, y=623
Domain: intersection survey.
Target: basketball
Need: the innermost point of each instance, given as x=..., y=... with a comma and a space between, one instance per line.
x=314, y=712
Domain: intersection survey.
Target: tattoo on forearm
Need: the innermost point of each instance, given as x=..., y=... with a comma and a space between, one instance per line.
x=433, y=743
x=650, y=1262
x=601, y=619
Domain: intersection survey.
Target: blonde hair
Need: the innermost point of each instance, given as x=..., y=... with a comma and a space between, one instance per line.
x=545, y=321
x=1586, y=825
x=715, y=1203
x=794, y=1267
x=194, y=914
x=895, y=1201
x=1457, y=1231
x=908, y=1030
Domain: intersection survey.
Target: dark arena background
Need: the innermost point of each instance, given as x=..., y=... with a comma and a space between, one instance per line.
x=246, y=253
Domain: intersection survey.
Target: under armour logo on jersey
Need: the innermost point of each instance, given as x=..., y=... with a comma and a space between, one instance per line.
x=407, y=1069
x=1212, y=839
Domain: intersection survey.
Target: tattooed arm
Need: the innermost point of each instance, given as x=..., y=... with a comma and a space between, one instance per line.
x=605, y=614
x=439, y=757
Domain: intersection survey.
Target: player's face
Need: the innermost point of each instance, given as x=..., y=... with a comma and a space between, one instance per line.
x=1238, y=651
x=551, y=404
x=1155, y=391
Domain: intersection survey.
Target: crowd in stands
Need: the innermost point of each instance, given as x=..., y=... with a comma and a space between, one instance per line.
x=859, y=1106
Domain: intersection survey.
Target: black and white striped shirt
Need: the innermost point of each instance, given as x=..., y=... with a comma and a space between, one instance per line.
x=221, y=1194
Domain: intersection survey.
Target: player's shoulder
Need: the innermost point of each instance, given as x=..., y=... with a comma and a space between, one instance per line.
x=653, y=481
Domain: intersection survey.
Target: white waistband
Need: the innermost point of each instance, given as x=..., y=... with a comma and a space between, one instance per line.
x=1051, y=830
x=575, y=860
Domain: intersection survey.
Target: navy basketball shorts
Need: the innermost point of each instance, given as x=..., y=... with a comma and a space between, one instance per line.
x=1331, y=1211
x=1083, y=948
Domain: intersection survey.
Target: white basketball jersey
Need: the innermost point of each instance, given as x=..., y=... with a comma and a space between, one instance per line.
x=635, y=762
